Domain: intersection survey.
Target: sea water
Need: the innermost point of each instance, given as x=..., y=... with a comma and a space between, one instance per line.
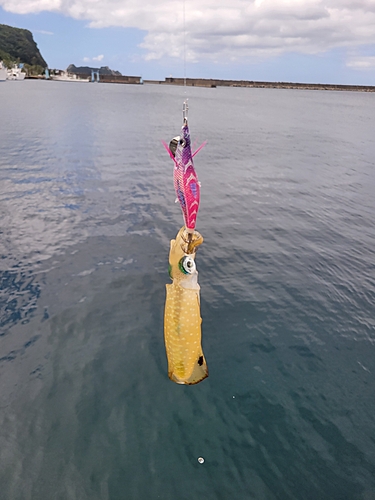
x=287, y=275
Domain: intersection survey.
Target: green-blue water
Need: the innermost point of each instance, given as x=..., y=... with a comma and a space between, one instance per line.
x=287, y=275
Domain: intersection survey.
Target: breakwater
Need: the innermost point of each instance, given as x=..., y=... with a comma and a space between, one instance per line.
x=120, y=79
x=212, y=83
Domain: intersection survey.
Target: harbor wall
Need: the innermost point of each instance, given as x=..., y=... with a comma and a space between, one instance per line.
x=119, y=79
x=212, y=83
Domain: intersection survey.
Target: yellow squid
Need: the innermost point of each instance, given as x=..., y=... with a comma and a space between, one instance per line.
x=182, y=319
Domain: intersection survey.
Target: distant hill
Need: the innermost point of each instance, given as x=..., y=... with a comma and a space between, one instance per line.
x=16, y=43
x=86, y=70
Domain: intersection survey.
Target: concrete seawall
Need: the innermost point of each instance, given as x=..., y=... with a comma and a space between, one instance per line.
x=120, y=79
x=212, y=83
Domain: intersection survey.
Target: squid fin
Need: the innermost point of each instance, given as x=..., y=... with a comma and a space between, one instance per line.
x=199, y=373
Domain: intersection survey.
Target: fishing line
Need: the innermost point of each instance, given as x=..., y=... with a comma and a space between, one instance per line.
x=185, y=104
x=184, y=29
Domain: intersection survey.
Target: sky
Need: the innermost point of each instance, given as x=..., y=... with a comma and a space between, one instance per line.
x=316, y=41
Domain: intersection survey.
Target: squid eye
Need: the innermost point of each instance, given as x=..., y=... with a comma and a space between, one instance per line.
x=187, y=265
x=182, y=142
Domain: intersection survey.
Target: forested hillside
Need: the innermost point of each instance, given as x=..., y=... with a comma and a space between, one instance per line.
x=18, y=45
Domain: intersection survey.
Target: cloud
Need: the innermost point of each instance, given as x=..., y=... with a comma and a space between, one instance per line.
x=225, y=30
x=97, y=58
x=365, y=62
x=44, y=32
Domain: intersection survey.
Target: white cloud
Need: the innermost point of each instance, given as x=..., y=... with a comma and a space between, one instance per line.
x=96, y=59
x=225, y=30
x=366, y=62
x=44, y=32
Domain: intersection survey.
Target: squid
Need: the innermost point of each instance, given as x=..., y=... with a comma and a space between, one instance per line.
x=182, y=319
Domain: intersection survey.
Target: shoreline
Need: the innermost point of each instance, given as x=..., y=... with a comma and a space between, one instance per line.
x=214, y=83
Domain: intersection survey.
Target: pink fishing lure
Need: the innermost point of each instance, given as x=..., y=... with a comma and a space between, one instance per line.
x=185, y=178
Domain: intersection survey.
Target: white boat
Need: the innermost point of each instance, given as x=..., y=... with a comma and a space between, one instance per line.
x=3, y=72
x=16, y=73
